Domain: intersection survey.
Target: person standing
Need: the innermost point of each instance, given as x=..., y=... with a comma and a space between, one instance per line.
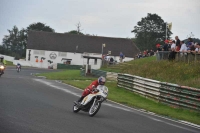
x=173, y=48
x=183, y=47
x=178, y=43
x=165, y=49
x=121, y=56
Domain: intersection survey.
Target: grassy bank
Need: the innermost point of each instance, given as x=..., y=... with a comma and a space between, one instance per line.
x=166, y=71
x=9, y=63
x=125, y=97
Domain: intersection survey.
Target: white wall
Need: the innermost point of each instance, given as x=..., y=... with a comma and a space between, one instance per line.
x=8, y=58
x=77, y=58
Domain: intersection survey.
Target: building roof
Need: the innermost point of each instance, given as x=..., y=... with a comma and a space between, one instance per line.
x=80, y=43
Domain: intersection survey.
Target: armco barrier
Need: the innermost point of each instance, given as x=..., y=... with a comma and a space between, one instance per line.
x=144, y=86
x=67, y=66
x=171, y=94
x=98, y=73
x=180, y=96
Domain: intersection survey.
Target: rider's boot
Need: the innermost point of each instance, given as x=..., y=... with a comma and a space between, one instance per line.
x=78, y=102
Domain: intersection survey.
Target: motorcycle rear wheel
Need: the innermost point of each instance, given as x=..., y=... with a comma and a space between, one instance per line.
x=94, y=109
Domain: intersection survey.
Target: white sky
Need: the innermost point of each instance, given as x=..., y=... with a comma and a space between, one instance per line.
x=111, y=18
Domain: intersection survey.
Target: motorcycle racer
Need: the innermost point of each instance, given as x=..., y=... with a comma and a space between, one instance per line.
x=100, y=81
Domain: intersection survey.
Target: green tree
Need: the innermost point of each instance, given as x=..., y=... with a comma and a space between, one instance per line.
x=75, y=32
x=150, y=31
x=39, y=27
x=11, y=42
x=15, y=43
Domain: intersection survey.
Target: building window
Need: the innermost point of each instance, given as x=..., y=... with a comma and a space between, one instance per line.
x=62, y=54
x=42, y=52
x=39, y=52
x=36, y=52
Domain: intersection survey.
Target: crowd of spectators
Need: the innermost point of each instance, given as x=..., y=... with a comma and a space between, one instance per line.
x=171, y=47
x=146, y=53
x=182, y=47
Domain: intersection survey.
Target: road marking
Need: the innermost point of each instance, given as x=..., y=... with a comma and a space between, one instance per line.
x=111, y=105
x=56, y=87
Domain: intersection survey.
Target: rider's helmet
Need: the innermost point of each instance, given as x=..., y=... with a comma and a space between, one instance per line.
x=101, y=80
x=18, y=64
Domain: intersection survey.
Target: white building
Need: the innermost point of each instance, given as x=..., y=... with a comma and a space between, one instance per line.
x=45, y=49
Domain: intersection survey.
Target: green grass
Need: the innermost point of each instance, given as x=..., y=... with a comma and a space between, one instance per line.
x=9, y=63
x=65, y=75
x=180, y=73
x=125, y=97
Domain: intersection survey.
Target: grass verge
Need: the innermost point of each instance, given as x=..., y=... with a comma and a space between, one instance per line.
x=9, y=63
x=125, y=97
x=181, y=73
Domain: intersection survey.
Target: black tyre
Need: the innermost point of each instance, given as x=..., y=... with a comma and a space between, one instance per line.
x=94, y=109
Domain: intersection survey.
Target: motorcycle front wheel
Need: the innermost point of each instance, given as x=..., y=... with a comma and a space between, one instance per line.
x=76, y=109
x=94, y=109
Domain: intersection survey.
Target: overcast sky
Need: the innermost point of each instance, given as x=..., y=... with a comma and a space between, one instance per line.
x=110, y=18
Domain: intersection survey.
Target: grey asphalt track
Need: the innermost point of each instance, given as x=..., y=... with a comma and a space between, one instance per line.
x=29, y=104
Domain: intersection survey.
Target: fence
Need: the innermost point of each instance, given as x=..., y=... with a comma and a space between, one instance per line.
x=186, y=57
x=98, y=73
x=67, y=66
x=171, y=94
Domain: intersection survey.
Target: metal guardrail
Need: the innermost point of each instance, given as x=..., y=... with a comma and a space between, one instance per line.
x=171, y=94
x=144, y=86
x=180, y=96
x=98, y=73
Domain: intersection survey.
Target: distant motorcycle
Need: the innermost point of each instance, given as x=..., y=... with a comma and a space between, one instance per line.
x=1, y=69
x=18, y=68
x=92, y=102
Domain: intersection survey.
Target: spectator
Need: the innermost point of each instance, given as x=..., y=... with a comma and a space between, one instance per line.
x=158, y=47
x=145, y=53
x=189, y=44
x=108, y=58
x=151, y=52
x=197, y=50
x=148, y=52
x=165, y=46
x=111, y=61
x=194, y=48
x=173, y=48
x=178, y=44
x=121, y=56
x=183, y=47
x=140, y=55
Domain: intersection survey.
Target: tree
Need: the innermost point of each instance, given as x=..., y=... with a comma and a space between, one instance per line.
x=39, y=27
x=11, y=41
x=75, y=32
x=16, y=42
x=150, y=31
